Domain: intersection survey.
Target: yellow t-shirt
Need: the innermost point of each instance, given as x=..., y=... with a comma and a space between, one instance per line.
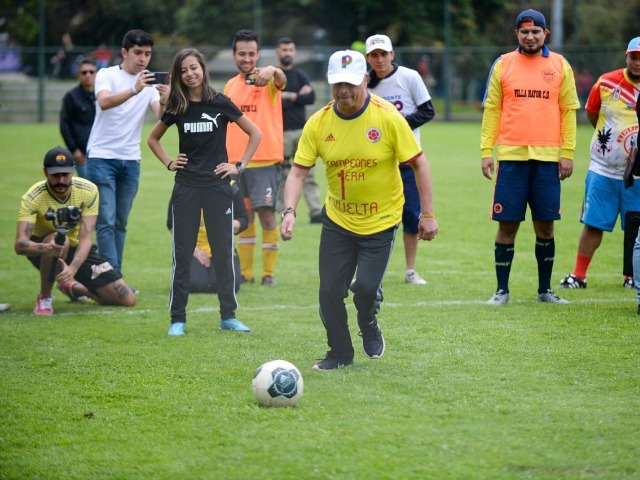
x=38, y=200
x=361, y=156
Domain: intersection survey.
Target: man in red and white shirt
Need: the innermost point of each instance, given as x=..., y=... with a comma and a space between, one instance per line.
x=611, y=109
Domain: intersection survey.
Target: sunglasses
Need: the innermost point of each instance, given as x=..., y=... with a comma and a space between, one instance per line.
x=86, y=72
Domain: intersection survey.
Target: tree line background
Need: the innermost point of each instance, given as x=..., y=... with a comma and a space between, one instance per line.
x=452, y=43
x=330, y=22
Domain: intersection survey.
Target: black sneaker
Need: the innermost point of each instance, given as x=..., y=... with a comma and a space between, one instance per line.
x=372, y=339
x=333, y=362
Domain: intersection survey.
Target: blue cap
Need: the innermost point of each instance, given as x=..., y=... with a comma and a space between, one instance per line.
x=534, y=15
x=634, y=45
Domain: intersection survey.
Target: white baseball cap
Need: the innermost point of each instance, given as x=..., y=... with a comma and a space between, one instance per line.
x=346, y=66
x=378, y=42
x=634, y=45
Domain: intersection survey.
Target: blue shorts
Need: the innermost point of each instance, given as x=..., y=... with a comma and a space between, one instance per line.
x=605, y=198
x=411, y=209
x=522, y=183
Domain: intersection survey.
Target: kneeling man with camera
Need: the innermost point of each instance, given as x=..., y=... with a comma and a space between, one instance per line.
x=55, y=231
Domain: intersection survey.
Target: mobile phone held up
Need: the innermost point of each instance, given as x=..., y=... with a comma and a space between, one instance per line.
x=250, y=78
x=161, y=78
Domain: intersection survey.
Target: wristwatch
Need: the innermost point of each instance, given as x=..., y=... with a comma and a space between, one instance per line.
x=241, y=168
x=288, y=210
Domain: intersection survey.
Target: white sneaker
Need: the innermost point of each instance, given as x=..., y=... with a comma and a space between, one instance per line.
x=412, y=277
x=499, y=298
x=550, y=297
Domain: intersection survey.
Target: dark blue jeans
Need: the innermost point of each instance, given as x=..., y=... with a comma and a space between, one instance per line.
x=117, y=182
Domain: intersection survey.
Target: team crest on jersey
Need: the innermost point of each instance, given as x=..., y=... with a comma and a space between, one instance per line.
x=615, y=94
x=374, y=135
x=497, y=208
x=548, y=76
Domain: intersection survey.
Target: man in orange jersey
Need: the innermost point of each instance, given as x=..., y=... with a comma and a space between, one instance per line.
x=257, y=92
x=529, y=113
x=611, y=111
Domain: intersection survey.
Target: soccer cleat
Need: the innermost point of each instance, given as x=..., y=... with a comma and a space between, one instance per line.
x=333, y=362
x=499, y=298
x=177, y=328
x=413, y=278
x=372, y=339
x=269, y=281
x=571, y=281
x=44, y=306
x=67, y=289
x=234, y=324
x=550, y=297
x=628, y=282
x=246, y=280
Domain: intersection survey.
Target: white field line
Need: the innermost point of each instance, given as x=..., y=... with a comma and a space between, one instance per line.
x=94, y=310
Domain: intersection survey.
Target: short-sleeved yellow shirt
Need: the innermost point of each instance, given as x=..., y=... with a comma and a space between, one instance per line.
x=38, y=200
x=361, y=154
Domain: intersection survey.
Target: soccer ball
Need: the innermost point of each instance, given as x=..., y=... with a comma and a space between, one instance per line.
x=277, y=383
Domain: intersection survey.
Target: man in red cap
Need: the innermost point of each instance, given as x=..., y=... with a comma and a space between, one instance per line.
x=66, y=207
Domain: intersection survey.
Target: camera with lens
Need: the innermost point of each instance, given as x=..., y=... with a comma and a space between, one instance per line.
x=68, y=216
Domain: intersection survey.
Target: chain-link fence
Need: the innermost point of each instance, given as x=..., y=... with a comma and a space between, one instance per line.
x=455, y=77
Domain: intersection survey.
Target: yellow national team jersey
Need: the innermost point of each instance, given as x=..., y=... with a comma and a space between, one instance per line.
x=38, y=200
x=202, y=242
x=361, y=156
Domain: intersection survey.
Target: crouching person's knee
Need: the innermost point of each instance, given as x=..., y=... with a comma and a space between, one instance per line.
x=117, y=293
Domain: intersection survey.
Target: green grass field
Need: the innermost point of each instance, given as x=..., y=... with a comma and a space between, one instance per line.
x=464, y=391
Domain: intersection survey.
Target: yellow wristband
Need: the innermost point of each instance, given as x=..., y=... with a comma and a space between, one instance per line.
x=427, y=215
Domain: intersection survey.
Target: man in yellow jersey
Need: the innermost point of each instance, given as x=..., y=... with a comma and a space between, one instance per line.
x=256, y=91
x=66, y=207
x=529, y=113
x=361, y=138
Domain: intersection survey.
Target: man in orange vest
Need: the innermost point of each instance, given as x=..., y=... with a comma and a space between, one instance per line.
x=257, y=92
x=530, y=115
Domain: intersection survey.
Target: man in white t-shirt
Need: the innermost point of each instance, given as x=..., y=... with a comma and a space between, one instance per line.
x=405, y=89
x=123, y=94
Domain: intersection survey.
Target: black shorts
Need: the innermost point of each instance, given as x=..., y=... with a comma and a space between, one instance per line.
x=94, y=273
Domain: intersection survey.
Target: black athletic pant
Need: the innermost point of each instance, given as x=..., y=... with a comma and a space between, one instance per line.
x=631, y=225
x=216, y=203
x=342, y=253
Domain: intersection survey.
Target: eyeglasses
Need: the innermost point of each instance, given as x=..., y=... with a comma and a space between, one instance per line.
x=86, y=72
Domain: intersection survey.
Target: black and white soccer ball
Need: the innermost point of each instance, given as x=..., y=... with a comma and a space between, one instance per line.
x=277, y=383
